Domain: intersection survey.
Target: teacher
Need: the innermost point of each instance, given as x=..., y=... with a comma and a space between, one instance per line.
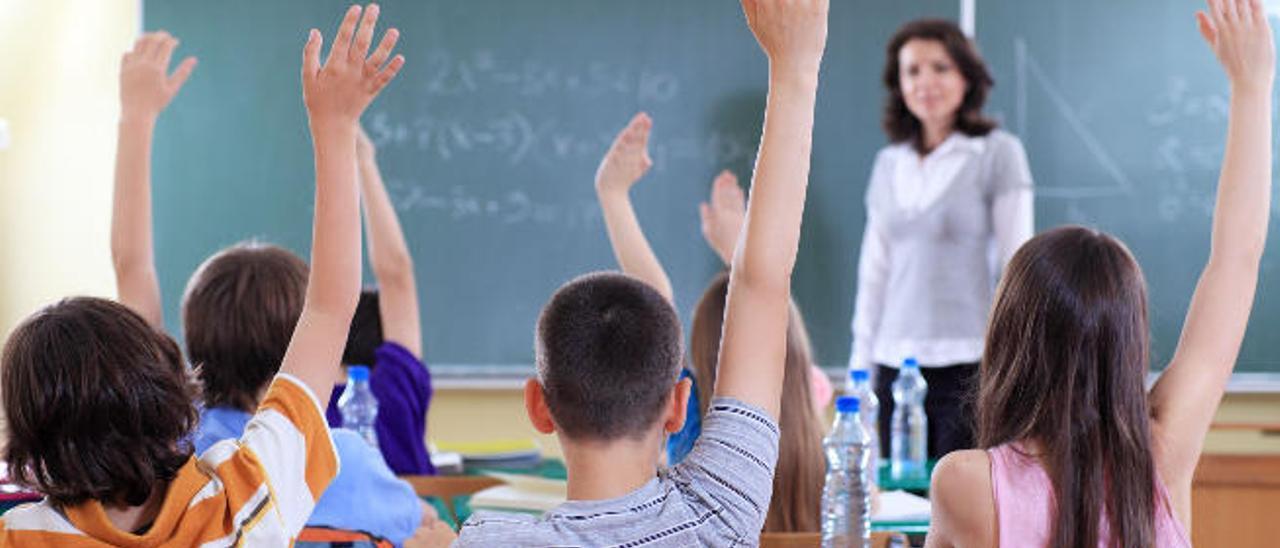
x=948, y=203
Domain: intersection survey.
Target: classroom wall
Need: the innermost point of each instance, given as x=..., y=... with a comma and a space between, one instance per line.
x=58, y=92
x=59, y=95
x=471, y=415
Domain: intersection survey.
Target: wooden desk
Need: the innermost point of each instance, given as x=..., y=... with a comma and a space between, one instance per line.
x=1234, y=501
x=879, y=539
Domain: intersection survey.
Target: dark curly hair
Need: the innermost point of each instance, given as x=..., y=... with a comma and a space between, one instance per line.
x=902, y=126
x=100, y=405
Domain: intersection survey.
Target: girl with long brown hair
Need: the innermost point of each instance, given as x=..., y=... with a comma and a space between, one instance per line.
x=798, y=477
x=1076, y=452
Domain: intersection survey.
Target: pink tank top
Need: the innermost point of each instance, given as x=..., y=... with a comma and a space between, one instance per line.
x=1024, y=501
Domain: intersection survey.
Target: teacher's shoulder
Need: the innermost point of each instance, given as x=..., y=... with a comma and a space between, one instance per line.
x=1001, y=143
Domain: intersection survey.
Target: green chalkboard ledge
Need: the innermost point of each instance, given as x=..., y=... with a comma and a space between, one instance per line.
x=512, y=377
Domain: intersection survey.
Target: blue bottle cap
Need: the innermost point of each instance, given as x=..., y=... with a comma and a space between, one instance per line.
x=859, y=375
x=847, y=404
x=357, y=373
x=910, y=362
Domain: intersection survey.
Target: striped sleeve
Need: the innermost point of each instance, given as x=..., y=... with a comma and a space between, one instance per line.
x=732, y=463
x=289, y=429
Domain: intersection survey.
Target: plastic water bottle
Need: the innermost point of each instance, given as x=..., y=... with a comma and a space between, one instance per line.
x=910, y=429
x=358, y=405
x=846, y=496
x=869, y=409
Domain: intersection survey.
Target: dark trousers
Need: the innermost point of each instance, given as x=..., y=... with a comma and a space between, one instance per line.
x=946, y=405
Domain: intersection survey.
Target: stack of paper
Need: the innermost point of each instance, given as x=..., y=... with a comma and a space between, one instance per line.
x=447, y=463
x=521, y=494
x=902, y=506
x=517, y=453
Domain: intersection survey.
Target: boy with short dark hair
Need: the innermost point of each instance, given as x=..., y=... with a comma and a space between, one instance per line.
x=611, y=420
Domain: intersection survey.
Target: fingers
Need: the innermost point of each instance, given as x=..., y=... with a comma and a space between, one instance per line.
x=164, y=50
x=311, y=55
x=705, y=214
x=380, y=55
x=143, y=46
x=342, y=41
x=387, y=74
x=1206, y=28
x=725, y=192
x=364, y=36
x=636, y=134
x=1249, y=11
x=1229, y=11
x=183, y=72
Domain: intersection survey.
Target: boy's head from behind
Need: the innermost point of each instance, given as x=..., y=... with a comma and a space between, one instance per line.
x=238, y=314
x=608, y=356
x=365, y=335
x=99, y=403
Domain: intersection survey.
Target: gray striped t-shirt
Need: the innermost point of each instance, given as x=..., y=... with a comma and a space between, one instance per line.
x=718, y=496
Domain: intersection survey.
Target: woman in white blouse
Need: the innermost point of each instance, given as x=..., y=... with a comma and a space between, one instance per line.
x=948, y=203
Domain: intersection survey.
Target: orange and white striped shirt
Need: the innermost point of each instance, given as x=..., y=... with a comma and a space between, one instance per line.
x=255, y=491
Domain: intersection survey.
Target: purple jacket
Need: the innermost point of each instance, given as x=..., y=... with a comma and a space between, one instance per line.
x=402, y=384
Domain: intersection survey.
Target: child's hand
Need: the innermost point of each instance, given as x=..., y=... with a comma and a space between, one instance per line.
x=339, y=91
x=145, y=85
x=431, y=535
x=722, y=219
x=793, y=33
x=364, y=145
x=1240, y=35
x=628, y=158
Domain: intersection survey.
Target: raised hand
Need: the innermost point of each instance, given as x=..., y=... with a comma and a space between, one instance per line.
x=628, y=157
x=146, y=87
x=351, y=77
x=335, y=95
x=722, y=218
x=793, y=33
x=364, y=145
x=1240, y=36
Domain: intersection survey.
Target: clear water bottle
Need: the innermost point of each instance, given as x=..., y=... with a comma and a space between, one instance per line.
x=909, y=427
x=869, y=409
x=358, y=405
x=846, y=496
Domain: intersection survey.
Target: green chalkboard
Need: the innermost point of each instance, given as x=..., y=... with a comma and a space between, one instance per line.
x=490, y=138
x=1123, y=109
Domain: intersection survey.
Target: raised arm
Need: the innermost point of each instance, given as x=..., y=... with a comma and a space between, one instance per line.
x=146, y=88
x=335, y=95
x=1185, y=398
x=625, y=163
x=793, y=34
x=388, y=253
x=723, y=216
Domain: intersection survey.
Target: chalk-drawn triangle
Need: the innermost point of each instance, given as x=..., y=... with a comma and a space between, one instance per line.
x=1028, y=70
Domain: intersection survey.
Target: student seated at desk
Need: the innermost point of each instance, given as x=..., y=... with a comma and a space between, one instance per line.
x=101, y=406
x=239, y=313
x=798, y=478
x=1076, y=452
x=608, y=350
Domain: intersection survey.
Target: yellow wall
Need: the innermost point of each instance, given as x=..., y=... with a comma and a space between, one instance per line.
x=469, y=415
x=58, y=91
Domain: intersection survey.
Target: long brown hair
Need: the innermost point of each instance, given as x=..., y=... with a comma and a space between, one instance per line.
x=797, y=480
x=1065, y=367
x=898, y=122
